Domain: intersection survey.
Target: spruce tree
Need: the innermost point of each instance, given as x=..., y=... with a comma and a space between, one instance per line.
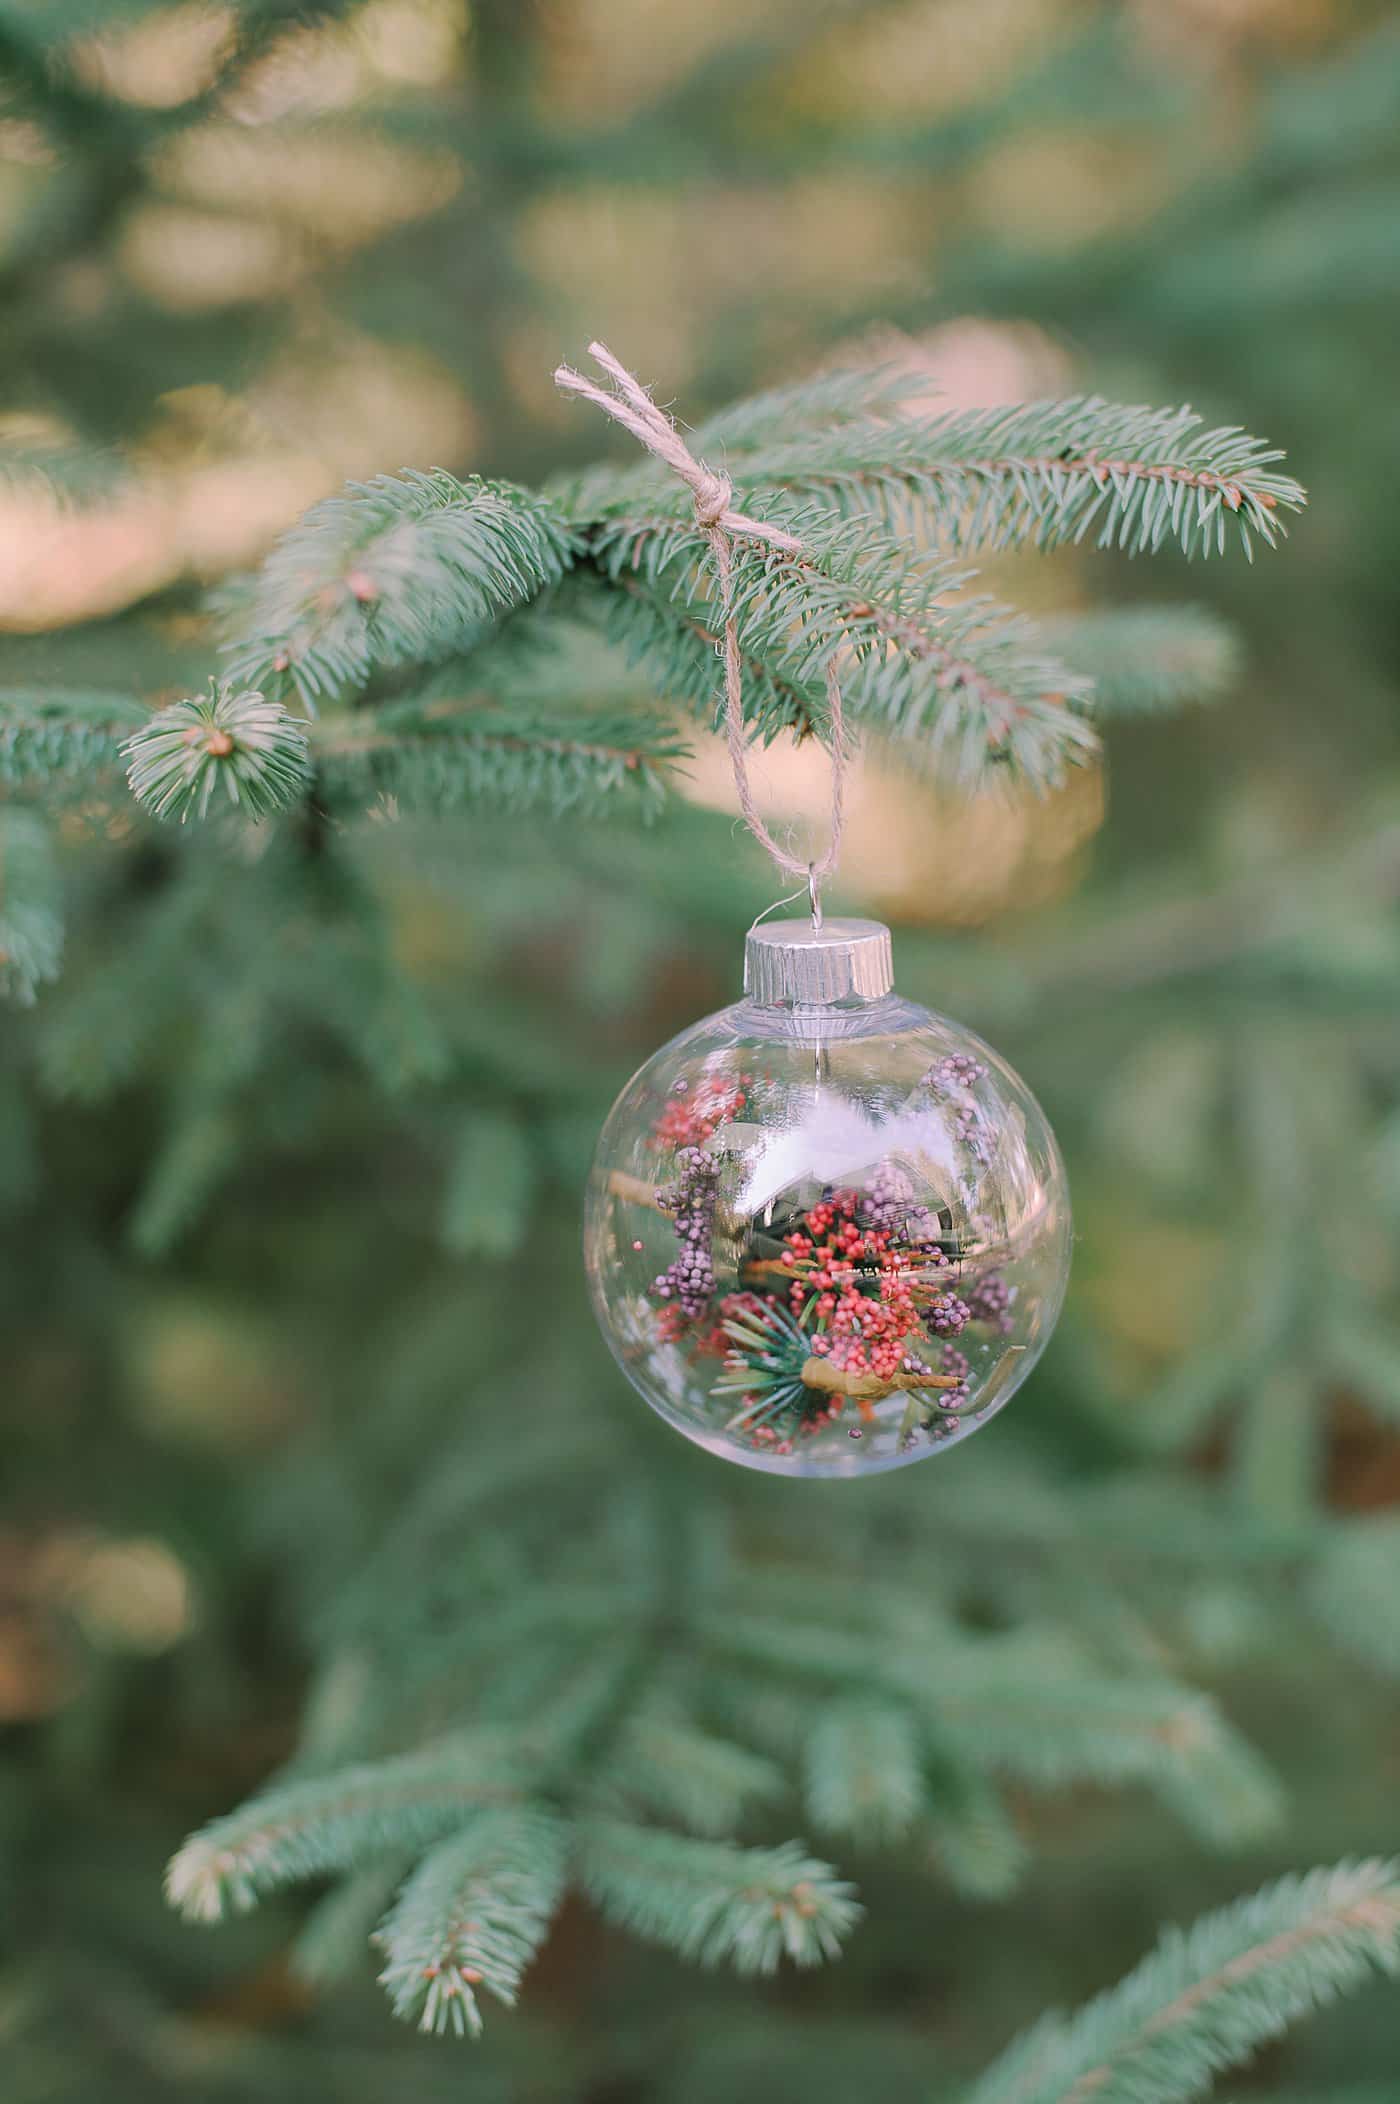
x=341, y=888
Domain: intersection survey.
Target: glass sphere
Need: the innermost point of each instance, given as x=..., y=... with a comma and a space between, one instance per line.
x=827, y=1240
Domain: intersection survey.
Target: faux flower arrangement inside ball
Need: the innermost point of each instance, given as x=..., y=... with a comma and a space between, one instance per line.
x=828, y=1232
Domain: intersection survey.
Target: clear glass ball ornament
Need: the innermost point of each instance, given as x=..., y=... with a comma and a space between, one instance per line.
x=827, y=1231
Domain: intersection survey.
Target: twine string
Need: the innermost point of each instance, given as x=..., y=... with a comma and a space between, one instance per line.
x=629, y=404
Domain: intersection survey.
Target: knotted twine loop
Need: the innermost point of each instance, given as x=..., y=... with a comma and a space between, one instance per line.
x=631, y=406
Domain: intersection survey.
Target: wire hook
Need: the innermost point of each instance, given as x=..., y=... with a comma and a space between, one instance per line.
x=773, y=909
x=814, y=893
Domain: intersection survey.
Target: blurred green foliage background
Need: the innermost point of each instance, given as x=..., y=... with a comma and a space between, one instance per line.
x=251, y=1295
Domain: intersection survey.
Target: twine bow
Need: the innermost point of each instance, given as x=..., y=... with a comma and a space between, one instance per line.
x=630, y=405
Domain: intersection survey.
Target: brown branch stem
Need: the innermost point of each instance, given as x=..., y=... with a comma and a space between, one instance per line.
x=635, y=1189
x=867, y=1387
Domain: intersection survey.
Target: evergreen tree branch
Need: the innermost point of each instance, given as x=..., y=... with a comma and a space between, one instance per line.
x=676, y=638
x=822, y=403
x=95, y=1035
x=1145, y=660
x=1207, y=1998
x=48, y=733
x=249, y=745
x=972, y=1838
x=200, y=1152
x=406, y=569
x=665, y=1765
x=472, y=1916
x=1026, y=1705
x=863, y=1771
x=714, y=1902
x=31, y=906
x=1038, y=1713
x=1352, y=1589
x=964, y=683
x=332, y=1822
x=445, y=752
x=1042, y=473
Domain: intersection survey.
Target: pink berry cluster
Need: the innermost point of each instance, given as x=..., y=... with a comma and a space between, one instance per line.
x=864, y=1288
x=696, y=1110
x=708, y=1341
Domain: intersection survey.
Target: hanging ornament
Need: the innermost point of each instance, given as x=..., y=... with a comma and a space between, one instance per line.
x=827, y=1231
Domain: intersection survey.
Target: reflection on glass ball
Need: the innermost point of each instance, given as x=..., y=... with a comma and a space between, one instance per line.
x=827, y=1240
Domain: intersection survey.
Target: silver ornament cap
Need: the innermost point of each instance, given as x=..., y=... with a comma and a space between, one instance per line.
x=803, y=963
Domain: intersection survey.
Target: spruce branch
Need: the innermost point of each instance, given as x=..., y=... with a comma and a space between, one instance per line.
x=665, y=1765
x=972, y=1838
x=472, y=1916
x=46, y=733
x=107, y=1020
x=821, y=403
x=960, y=681
x=250, y=745
x=963, y=683
x=1037, y=1712
x=1041, y=473
x=332, y=1822
x=1208, y=1997
x=31, y=906
x=201, y=1151
x=673, y=633
x=405, y=569
x=448, y=751
x=418, y=569
x=714, y=1902
x=1352, y=1589
x=1145, y=660
x=1027, y=1705
x=863, y=1771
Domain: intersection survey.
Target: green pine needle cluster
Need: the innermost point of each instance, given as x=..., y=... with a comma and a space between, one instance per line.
x=716, y=1903
x=625, y=1711
x=1039, y=473
x=31, y=905
x=48, y=736
x=406, y=569
x=1204, y=2001
x=238, y=742
x=472, y=1916
x=306, y=1829
x=396, y=613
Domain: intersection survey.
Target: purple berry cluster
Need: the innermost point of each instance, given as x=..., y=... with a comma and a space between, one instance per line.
x=959, y=1071
x=890, y=1205
x=947, y=1316
x=957, y=1363
x=989, y=1300
x=689, y=1279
